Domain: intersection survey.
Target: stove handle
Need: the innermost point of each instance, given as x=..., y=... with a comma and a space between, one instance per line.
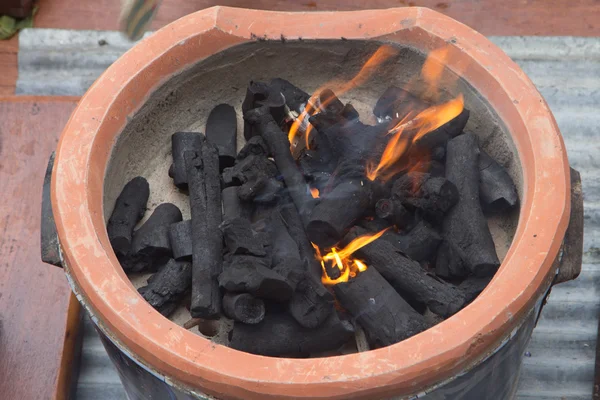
x=571, y=255
x=49, y=238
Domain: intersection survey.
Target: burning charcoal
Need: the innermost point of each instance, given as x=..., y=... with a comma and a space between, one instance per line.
x=330, y=102
x=393, y=211
x=473, y=286
x=396, y=103
x=295, y=98
x=129, y=209
x=166, y=288
x=419, y=244
x=180, y=143
x=465, y=225
x=311, y=303
x=205, y=202
x=243, y=307
x=432, y=195
x=280, y=335
x=433, y=168
x=180, y=237
x=313, y=165
x=496, y=189
x=221, y=131
x=441, y=136
x=279, y=147
x=249, y=275
x=407, y=276
x=249, y=169
x=349, y=112
x=233, y=207
x=255, y=146
x=151, y=245
x=241, y=239
x=259, y=95
x=261, y=190
x=374, y=225
x=379, y=309
x=449, y=263
x=286, y=257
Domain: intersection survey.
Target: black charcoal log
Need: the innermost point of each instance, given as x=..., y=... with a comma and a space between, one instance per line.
x=167, y=287
x=295, y=98
x=279, y=147
x=280, y=335
x=233, y=207
x=420, y=243
x=285, y=253
x=439, y=154
x=180, y=237
x=407, y=276
x=151, y=245
x=260, y=94
x=496, y=188
x=432, y=167
x=337, y=211
x=254, y=146
x=384, y=315
x=473, y=286
x=221, y=131
x=243, y=307
x=247, y=274
x=441, y=136
x=180, y=143
x=311, y=303
x=249, y=169
x=465, y=225
x=129, y=209
x=434, y=196
x=240, y=238
x=449, y=263
x=260, y=190
x=393, y=211
x=396, y=103
x=205, y=203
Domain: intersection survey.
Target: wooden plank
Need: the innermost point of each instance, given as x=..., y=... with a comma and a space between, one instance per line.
x=8, y=65
x=38, y=314
x=490, y=17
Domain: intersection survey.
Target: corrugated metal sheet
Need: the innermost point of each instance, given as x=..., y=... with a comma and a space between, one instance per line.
x=561, y=354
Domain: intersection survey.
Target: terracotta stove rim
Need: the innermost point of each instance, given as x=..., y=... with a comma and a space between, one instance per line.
x=188, y=358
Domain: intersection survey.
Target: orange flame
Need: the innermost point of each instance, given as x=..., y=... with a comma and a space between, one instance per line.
x=432, y=71
x=425, y=122
x=314, y=105
x=343, y=260
x=314, y=192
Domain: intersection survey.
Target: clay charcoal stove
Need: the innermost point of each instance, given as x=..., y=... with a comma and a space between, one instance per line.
x=339, y=217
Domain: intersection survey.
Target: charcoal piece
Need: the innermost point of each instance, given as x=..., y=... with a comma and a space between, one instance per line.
x=221, y=131
x=438, y=153
x=349, y=112
x=180, y=143
x=151, y=245
x=432, y=167
x=337, y=211
x=167, y=287
x=407, y=276
x=254, y=146
x=351, y=140
x=374, y=225
x=261, y=190
x=449, y=263
x=441, y=136
x=419, y=244
x=180, y=237
x=280, y=335
x=243, y=307
x=384, y=315
x=233, y=207
x=396, y=103
x=313, y=164
x=473, y=286
x=393, y=211
x=311, y=303
x=205, y=204
x=434, y=196
x=329, y=102
x=240, y=238
x=249, y=169
x=260, y=94
x=497, y=190
x=129, y=209
x=285, y=253
x=465, y=225
x=248, y=275
x=295, y=98
x=279, y=147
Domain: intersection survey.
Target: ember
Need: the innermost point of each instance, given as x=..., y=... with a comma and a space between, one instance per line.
x=322, y=223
